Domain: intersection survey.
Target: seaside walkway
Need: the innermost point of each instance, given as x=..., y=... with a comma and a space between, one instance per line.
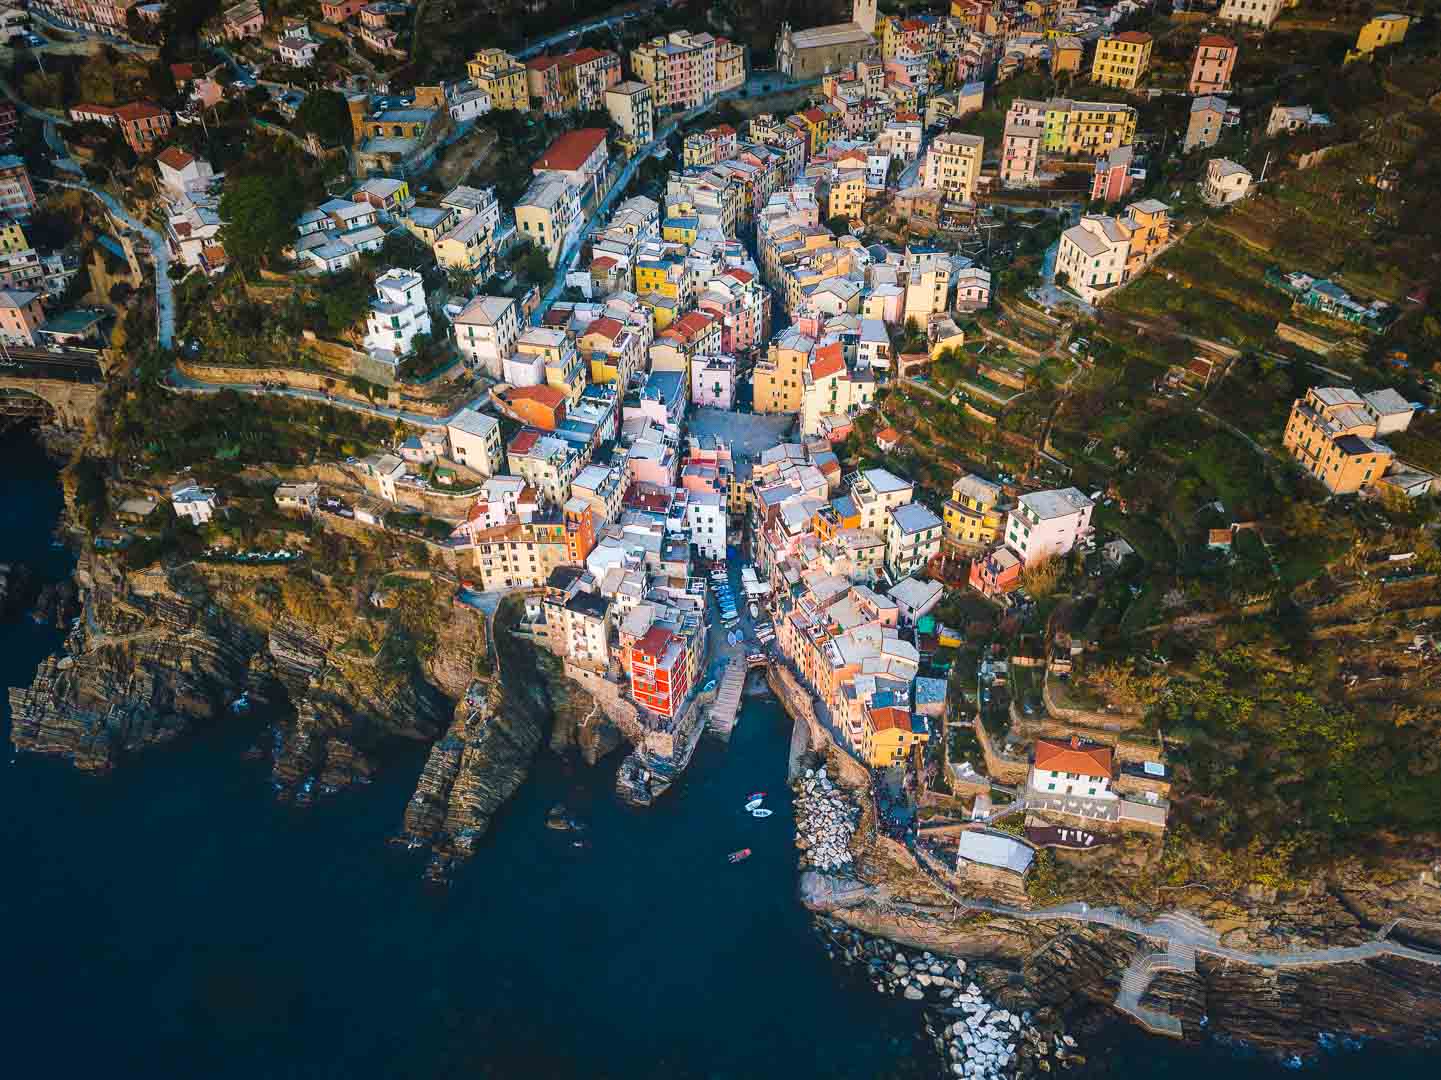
x=1182, y=936
x=727, y=703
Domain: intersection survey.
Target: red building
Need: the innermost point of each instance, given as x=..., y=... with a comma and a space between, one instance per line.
x=658, y=678
x=997, y=573
x=337, y=11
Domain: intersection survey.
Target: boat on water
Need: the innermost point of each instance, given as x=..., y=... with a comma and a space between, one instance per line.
x=755, y=611
x=737, y=856
x=708, y=687
x=762, y=813
x=753, y=805
x=755, y=795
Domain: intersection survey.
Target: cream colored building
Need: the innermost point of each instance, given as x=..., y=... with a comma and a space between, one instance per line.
x=631, y=105
x=953, y=164
x=548, y=213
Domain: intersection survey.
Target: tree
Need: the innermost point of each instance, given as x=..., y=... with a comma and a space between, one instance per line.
x=325, y=114
x=259, y=214
x=536, y=266
x=840, y=225
x=1040, y=579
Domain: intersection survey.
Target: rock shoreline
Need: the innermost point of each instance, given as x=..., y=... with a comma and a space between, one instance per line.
x=972, y=1033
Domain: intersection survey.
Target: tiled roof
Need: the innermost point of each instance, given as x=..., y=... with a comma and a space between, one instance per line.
x=570, y=151
x=1073, y=756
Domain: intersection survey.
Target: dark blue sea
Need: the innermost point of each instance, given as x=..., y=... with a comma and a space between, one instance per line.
x=171, y=920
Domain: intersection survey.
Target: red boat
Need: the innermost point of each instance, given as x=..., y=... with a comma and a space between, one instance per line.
x=737, y=856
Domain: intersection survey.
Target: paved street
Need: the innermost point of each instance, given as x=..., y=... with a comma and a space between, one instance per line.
x=747, y=433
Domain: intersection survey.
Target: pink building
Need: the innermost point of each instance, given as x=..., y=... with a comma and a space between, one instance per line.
x=712, y=382
x=997, y=573
x=1112, y=179
x=337, y=11
x=742, y=305
x=20, y=317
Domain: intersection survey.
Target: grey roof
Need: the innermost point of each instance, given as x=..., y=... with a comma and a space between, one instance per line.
x=1087, y=241
x=1054, y=504
x=1209, y=102
x=474, y=423
x=884, y=481
x=992, y=849
x=913, y=517
x=915, y=593
x=1388, y=401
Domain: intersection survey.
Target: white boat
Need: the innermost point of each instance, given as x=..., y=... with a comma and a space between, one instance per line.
x=754, y=805
x=762, y=813
x=755, y=611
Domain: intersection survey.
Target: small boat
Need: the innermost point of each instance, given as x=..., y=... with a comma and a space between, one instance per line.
x=753, y=805
x=755, y=795
x=737, y=856
x=755, y=611
x=762, y=813
x=708, y=687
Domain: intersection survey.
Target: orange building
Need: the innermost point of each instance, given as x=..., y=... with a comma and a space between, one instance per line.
x=540, y=407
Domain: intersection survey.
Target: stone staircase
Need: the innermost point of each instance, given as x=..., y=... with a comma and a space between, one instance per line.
x=1136, y=980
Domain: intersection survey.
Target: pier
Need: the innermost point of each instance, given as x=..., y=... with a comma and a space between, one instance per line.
x=727, y=704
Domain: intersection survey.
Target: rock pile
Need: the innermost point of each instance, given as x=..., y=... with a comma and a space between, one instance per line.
x=825, y=822
x=975, y=1038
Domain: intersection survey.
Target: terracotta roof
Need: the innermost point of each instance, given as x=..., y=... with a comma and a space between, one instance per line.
x=569, y=152
x=724, y=129
x=555, y=317
x=1135, y=37
x=602, y=262
x=140, y=110
x=888, y=435
x=1215, y=41
x=175, y=157
x=829, y=360
x=815, y=116
x=1073, y=756
x=542, y=63
x=605, y=326
x=214, y=254
x=656, y=641
x=890, y=716
x=693, y=324
x=523, y=441
x=182, y=72
x=585, y=56
x=907, y=114
x=545, y=395
x=745, y=277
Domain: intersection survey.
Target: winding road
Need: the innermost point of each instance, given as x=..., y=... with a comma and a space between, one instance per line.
x=159, y=254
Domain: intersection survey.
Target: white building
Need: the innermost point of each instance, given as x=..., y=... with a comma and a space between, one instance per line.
x=705, y=513
x=1071, y=767
x=973, y=289
x=465, y=102
x=913, y=538
x=191, y=501
x=915, y=598
x=298, y=48
x=1259, y=13
x=1225, y=182
x=486, y=332
x=474, y=440
x=1093, y=256
x=183, y=173
x=1046, y=524
x=398, y=312
x=874, y=348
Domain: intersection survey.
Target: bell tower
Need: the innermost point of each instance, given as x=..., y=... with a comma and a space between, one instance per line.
x=863, y=14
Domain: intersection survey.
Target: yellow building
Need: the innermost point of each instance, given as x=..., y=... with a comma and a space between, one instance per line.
x=847, y=194
x=1122, y=60
x=953, y=165
x=680, y=230
x=500, y=75
x=1333, y=431
x=779, y=380
x=890, y=734
x=12, y=236
x=1087, y=127
x=975, y=514
x=1380, y=33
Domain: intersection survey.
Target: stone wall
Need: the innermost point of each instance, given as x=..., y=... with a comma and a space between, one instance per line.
x=1006, y=770
x=74, y=403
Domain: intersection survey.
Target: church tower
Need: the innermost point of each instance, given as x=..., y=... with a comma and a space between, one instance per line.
x=863, y=14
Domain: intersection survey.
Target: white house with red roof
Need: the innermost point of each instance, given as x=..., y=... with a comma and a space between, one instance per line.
x=1072, y=766
x=580, y=157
